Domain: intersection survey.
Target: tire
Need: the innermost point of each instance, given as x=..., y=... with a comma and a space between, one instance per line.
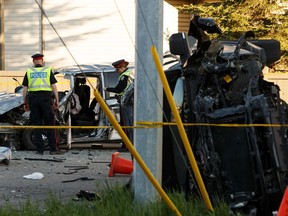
x=272, y=49
x=29, y=140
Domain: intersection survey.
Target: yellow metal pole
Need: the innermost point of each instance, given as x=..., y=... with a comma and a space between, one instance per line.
x=135, y=153
x=181, y=129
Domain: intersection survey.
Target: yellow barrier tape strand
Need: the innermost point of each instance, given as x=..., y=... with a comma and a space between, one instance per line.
x=143, y=125
x=152, y=124
x=63, y=127
x=181, y=129
x=135, y=154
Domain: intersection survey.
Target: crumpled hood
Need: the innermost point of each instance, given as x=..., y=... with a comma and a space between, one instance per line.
x=9, y=101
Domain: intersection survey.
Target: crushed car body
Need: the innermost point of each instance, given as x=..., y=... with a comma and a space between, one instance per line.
x=77, y=103
x=237, y=120
x=90, y=113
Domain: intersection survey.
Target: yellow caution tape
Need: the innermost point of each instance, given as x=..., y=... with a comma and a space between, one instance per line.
x=211, y=124
x=139, y=125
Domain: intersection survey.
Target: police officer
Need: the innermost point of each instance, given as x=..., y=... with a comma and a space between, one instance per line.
x=124, y=81
x=38, y=85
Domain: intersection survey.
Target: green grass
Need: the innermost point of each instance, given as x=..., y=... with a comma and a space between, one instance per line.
x=114, y=201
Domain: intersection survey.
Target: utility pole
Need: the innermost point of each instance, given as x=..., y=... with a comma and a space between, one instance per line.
x=148, y=96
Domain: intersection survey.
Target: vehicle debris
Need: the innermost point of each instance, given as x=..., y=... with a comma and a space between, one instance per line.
x=5, y=155
x=77, y=179
x=44, y=159
x=76, y=167
x=88, y=195
x=70, y=172
x=221, y=92
x=82, y=109
x=34, y=176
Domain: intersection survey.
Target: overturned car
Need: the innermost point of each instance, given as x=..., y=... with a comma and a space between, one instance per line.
x=236, y=121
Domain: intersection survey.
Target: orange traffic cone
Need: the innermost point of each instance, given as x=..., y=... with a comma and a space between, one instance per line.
x=283, y=209
x=120, y=165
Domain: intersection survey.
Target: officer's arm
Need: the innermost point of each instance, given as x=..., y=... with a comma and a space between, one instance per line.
x=25, y=101
x=25, y=89
x=55, y=91
x=121, y=85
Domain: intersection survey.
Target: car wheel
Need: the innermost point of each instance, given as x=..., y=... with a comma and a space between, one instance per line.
x=29, y=139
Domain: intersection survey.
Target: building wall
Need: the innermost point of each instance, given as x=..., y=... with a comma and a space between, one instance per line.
x=184, y=18
x=280, y=79
x=21, y=33
x=92, y=31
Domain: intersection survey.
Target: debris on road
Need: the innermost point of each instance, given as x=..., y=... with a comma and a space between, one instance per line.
x=76, y=167
x=34, y=176
x=5, y=155
x=45, y=159
x=38, y=191
x=88, y=195
x=82, y=179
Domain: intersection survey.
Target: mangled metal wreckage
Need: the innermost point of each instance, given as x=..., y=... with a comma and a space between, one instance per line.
x=88, y=114
x=242, y=157
x=11, y=111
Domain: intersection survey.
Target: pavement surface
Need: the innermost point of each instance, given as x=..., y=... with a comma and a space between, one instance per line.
x=89, y=166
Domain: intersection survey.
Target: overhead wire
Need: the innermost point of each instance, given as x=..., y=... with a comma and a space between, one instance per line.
x=64, y=44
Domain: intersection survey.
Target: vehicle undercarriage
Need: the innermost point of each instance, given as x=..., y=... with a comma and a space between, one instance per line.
x=236, y=123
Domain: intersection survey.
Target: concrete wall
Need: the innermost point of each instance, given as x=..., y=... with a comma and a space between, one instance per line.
x=281, y=79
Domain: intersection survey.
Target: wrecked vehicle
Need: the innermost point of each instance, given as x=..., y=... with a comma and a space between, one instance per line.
x=235, y=120
x=77, y=108
x=11, y=112
x=89, y=113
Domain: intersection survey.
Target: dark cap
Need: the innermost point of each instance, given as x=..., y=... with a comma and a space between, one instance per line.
x=120, y=63
x=37, y=56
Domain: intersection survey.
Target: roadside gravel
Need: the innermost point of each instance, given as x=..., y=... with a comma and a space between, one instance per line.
x=74, y=164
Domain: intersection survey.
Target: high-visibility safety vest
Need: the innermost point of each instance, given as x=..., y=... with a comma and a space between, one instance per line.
x=130, y=79
x=39, y=79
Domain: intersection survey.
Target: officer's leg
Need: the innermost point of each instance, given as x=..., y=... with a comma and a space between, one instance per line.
x=122, y=123
x=127, y=117
x=49, y=119
x=36, y=119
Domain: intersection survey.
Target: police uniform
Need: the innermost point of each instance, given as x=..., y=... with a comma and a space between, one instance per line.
x=124, y=81
x=38, y=80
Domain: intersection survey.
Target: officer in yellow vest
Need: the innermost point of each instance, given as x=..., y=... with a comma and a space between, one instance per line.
x=124, y=81
x=38, y=85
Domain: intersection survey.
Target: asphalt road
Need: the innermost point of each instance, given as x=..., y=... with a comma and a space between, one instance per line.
x=92, y=164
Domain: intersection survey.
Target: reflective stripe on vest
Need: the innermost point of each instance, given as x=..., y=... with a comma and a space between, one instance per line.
x=129, y=81
x=39, y=79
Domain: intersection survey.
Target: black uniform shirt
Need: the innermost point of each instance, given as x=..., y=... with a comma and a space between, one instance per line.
x=121, y=85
